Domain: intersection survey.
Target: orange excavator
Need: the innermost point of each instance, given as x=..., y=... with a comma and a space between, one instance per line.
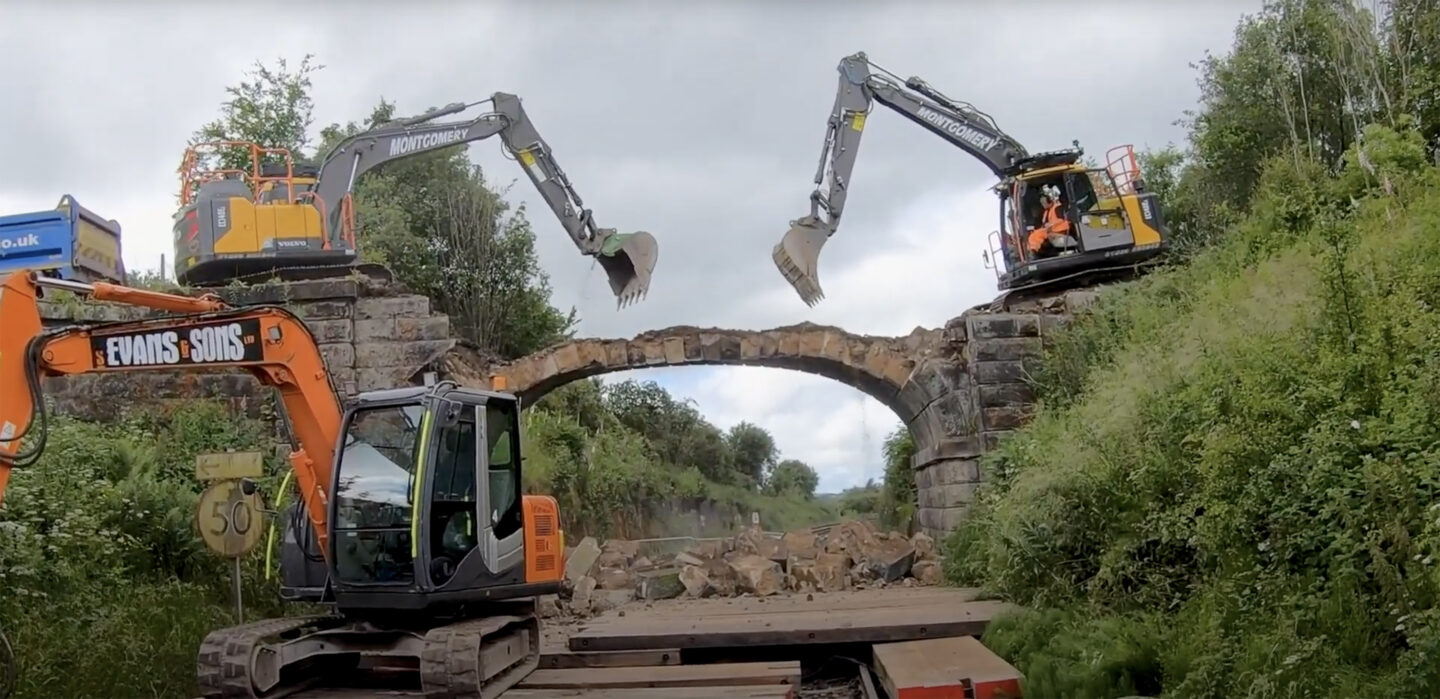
x=419, y=539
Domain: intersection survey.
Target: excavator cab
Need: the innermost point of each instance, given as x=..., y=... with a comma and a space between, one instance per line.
x=427, y=510
x=1114, y=223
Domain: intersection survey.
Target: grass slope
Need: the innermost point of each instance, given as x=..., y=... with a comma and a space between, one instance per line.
x=1229, y=489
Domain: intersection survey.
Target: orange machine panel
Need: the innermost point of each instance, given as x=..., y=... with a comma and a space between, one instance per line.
x=544, y=545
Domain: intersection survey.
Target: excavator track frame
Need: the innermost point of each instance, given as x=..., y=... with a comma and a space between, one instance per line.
x=301, y=273
x=478, y=657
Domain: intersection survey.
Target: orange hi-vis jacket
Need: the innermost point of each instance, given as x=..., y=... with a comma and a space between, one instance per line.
x=1053, y=224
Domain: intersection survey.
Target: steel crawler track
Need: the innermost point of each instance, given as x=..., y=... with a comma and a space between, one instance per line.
x=476, y=658
x=458, y=659
x=226, y=656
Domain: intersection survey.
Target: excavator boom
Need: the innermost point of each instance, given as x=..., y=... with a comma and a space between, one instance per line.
x=628, y=258
x=269, y=342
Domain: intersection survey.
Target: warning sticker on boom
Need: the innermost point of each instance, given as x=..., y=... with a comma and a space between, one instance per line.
x=212, y=343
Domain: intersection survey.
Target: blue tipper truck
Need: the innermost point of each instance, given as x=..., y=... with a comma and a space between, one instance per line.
x=68, y=242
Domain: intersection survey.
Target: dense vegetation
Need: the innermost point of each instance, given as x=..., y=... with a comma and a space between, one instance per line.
x=109, y=588
x=1229, y=489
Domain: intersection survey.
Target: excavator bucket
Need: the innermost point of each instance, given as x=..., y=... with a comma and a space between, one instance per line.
x=798, y=258
x=628, y=259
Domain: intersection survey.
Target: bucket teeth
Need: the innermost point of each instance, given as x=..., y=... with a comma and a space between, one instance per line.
x=628, y=260
x=797, y=257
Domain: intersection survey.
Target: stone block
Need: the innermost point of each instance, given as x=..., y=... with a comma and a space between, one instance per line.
x=654, y=353
x=938, y=377
x=788, y=345
x=581, y=562
x=992, y=438
x=954, y=447
x=897, y=369
x=954, y=416
x=323, y=310
x=912, y=399
x=339, y=355
x=949, y=495
x=335, y=330
x=400, y=354
x=592, y=354
x=1005, y=349
x=617, y=353
x=674, y=348
x=811, y=344
x=1005, y=418
x=392, y=306
x=924, y=477
x=999, y=372
x=989, y=326
x=1006, y=395
x=659, y=584
x=952, y=517
x=375, y=330
x=379, y=378
x=750, y=346
x=415, y=329
x=836, y=347
x=567, y=359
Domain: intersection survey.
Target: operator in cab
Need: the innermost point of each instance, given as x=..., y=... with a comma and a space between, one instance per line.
x=1053, y=221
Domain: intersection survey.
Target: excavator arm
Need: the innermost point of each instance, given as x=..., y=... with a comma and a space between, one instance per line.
x=797, y=254
x=269, y=342
x=628, y=259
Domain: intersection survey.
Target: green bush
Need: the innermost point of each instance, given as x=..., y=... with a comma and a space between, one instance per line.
x=1235, y=494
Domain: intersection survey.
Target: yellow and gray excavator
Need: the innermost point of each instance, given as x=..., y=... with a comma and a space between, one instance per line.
x=277, y=218
x=1060, y=221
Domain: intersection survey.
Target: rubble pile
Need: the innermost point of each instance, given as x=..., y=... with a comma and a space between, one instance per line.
x=849, y=555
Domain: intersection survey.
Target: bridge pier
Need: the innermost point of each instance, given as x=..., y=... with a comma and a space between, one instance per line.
x=985, y=395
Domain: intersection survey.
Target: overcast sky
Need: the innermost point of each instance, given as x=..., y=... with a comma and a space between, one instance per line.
x=700, y=122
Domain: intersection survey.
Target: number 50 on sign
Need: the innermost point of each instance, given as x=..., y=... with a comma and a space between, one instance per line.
x=230, y=520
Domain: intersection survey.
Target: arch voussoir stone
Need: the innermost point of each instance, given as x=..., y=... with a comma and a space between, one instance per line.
x=876, y=366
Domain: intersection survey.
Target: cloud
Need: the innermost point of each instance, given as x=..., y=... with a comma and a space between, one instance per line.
x=699, y=122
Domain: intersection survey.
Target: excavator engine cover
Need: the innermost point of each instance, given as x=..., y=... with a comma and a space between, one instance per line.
x=798, y=258
x=628, y=259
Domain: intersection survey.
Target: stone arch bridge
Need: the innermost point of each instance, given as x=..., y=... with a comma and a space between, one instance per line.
x=957, y=388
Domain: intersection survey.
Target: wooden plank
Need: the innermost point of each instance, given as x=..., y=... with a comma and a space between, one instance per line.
x=939, y=667
x=847, y=600
x=620, y=658
x=779, y=691
x=867, y=683
x=638, y=631
x=717, y=675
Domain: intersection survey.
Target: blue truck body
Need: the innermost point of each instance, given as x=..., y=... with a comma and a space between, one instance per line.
x=68, y=242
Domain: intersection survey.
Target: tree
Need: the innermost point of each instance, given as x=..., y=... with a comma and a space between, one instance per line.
x=897, y=498
x=792, y=477
x=272, y=108
x=675, y=430
x=753, y=450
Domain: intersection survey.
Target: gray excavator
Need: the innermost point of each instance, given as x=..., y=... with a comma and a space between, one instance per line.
x=1115, y=227
x=281, y=219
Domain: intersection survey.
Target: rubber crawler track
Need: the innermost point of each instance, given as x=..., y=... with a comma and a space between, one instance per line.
x=223, y=666
x=450, y=664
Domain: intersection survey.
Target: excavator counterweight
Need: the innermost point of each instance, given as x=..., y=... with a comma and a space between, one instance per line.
x=410, y=522
x=296, y=221
x=1103, y=223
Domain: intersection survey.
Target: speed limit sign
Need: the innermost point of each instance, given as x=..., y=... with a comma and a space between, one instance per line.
x=230, y=520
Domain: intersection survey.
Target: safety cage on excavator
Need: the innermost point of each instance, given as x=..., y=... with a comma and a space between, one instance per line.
x=1090, y=195
x=272, y=177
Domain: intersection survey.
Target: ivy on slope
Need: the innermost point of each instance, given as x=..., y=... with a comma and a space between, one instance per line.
x=1230, y=488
